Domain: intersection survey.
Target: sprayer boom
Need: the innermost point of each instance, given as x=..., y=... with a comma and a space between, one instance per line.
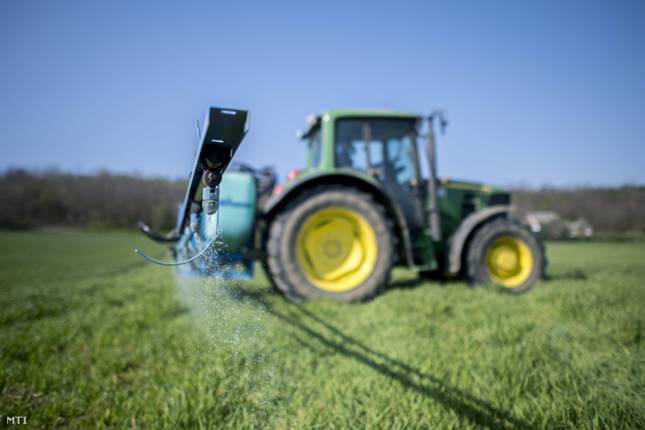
x=197, y=222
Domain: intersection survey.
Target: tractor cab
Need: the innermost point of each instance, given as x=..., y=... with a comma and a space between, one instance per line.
x=382, y=145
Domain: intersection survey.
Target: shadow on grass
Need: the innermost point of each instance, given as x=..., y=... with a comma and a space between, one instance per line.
x=571, y=275
x=435, y=278
x=477, y=411
x=441, y=280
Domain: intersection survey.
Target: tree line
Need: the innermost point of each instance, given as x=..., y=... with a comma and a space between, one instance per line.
x=104, y=200
x=101, y=201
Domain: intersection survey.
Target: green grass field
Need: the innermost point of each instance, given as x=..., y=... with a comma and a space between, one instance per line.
x=92, y=336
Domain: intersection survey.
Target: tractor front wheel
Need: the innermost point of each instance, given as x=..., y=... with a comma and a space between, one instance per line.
x=506, y=253
x=333, y=242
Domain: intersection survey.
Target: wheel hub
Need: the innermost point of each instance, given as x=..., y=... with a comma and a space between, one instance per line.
x=336, y=249
x=506, y=259
x=509, y=261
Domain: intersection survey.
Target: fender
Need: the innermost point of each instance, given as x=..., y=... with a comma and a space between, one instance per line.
x=458, y=240
x=359, y=180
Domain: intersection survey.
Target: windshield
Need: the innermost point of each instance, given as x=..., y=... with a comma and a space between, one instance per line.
x=383, y=147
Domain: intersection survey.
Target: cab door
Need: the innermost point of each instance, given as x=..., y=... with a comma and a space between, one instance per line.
x=386, y=149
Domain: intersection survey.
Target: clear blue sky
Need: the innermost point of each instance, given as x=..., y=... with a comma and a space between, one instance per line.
x=537, y=92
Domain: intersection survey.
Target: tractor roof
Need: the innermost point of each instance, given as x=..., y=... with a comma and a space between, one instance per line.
x=380, y=113
x=332, y=114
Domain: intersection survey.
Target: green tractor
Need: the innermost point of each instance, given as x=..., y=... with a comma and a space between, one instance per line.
x=362, y=206
x=368, y=200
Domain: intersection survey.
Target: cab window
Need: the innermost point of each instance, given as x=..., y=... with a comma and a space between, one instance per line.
x=315, y=148
x=350, y=145
x=384, y=148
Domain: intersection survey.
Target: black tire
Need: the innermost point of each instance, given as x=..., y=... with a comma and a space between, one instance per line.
x=282, y=261
x=477, y=271
x=265, y=267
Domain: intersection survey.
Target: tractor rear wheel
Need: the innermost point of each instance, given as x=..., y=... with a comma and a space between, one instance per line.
x=333, y=242
x=506, y=253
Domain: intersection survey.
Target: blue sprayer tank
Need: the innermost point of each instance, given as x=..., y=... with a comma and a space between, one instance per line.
x=237, y=209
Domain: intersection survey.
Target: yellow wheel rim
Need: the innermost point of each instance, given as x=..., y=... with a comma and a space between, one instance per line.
x=336, y=249
x=509, y=261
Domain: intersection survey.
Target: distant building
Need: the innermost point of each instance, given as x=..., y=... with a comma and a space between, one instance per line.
x=553, y=226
